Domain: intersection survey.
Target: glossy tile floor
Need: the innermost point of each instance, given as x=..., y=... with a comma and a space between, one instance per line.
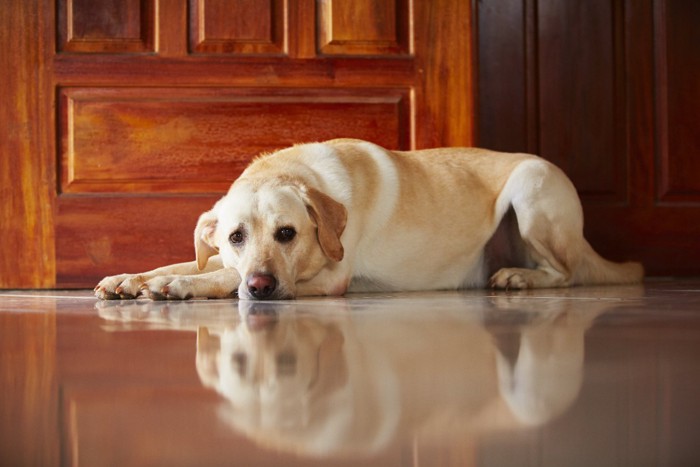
x=580, y=377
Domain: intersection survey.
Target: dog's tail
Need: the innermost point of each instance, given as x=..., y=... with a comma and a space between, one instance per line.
x=594, y=269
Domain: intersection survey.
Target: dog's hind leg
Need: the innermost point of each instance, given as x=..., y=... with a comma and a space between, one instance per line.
x=550, y=222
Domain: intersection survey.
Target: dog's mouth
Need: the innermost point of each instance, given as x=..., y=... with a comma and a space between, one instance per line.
x=279, y=293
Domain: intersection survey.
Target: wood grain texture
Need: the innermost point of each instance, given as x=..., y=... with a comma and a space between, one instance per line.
x=678, y=100
x=364, y=27
x=501, y=113
x=238, y=26
x=26, y=149
x=579, y=56
x=156, y=140
x=444, y=93
x=114, y=26
x=303, y=30
x=96, y=236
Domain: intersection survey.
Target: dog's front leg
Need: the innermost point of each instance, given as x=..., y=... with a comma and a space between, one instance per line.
x=222, y=283
x=127, y=286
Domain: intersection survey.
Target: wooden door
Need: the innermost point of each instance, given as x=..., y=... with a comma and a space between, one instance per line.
x=610, y=91
x=122, y=120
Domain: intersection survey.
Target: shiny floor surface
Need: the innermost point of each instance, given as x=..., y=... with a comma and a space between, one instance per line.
x=580, y=377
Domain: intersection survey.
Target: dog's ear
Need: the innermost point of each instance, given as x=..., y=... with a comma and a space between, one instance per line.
x=330, y=217
x=204, y=246
x=208, y=348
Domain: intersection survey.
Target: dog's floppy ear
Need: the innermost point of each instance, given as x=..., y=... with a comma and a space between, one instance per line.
x=208, y=348
x=204, y=246
x=330, y=217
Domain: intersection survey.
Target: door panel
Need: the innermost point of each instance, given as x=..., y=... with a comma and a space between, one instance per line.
x=364, y=27
x=239, y=26
x=678, y=100
x=580, y=56
x=147, y=110
x=174, y=140
x=106, y=26
x=129, y=232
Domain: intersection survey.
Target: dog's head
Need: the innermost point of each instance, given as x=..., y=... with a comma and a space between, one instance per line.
x=274, y=232
x=279, y=372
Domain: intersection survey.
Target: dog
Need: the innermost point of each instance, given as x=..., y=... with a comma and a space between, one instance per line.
x=348, y=215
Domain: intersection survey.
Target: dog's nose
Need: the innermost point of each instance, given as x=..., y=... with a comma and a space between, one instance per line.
x=261, y=286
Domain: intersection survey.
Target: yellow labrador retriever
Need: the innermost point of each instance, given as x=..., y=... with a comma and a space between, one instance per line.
x=348, y=215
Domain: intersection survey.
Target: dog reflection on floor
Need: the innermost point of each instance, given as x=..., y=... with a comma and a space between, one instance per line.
x=329, y=378
x=346, y=383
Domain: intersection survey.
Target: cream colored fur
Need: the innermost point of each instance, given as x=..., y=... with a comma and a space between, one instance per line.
x=369, y=219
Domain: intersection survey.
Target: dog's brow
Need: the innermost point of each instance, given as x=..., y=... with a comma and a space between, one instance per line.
x=240, y=226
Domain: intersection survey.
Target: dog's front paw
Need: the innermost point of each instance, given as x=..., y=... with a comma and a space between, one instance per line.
x=121, y=286
x=510, y=278
x=168, y=288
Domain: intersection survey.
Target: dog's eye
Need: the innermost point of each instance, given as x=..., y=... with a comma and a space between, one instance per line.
x=285, y=234
x=236, y=237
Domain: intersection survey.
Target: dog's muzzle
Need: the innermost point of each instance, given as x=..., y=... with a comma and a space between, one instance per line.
x=261, y=286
